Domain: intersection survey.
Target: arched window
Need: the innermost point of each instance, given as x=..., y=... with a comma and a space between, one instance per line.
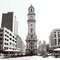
x=31, y=9
x=31, y=30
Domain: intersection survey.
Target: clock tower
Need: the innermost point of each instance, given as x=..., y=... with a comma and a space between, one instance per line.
x=31, y=40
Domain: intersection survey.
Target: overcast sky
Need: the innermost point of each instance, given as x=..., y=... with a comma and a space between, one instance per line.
x=47, y=16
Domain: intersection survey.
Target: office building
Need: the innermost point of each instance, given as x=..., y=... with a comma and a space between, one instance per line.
x=8, y=40
x=9, y=21
x=54, y=41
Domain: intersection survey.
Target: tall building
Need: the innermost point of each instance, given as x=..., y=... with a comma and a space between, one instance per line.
x=9, y=21
x=54, y=41
x=31, y=40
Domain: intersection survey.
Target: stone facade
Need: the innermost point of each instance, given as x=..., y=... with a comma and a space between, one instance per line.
x=31, y=41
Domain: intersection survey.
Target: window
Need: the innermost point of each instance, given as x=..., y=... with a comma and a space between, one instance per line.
x=31, y=24
x=1, y=38
x=6, y=31
x=31, y=43
x=1, y=30
x=5, y=39
x=10, y=43
x=13, y=48
x=31, y=9
x=9, y=48
x=31, y=36
x=55, y=42
x=58, y=35
x=1, y=34
x=31, y=30
x=6, y=43
x=13, y=36
x=6, y=35
x=54, y=32
x=58, y=41
x=10, y=34
x=5, y=48
x=58, y=32
x=54, y=35
x=10, y=39
x=13, y=40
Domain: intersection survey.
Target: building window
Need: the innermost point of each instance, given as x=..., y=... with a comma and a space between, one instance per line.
x=5, y=48
x=58, y=32
x=13, y=36
x=31, y=43
x=31, y=9
x=54, y=35
x=13, y=48
x=58, y=35
x=55, y=42
x=1, y=34
x=6, y=43
x=54, y=32
x=31, y=30
x=31, y=36
x=10, y=34
x=1, y=30
x=6, y=31
x=5, y=38
x=10, y=39
x=13, y=40
x=31, y=24
x=1, y=38
x=10, y=43
x=58, y=41
x=6, y=35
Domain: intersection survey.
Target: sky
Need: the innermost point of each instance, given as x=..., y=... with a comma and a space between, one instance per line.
x=47, y=16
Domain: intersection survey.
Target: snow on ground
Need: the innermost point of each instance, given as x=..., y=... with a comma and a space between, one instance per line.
x=31, y=58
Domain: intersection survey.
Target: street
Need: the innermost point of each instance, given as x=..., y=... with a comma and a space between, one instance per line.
x=31, y=58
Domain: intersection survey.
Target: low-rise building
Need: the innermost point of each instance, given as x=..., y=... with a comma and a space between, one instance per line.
x=54, y=41
x=8, y=41
x=20, y=44
x=39, y=47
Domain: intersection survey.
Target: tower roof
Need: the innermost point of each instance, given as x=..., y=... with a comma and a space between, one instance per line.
x=31, y=8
